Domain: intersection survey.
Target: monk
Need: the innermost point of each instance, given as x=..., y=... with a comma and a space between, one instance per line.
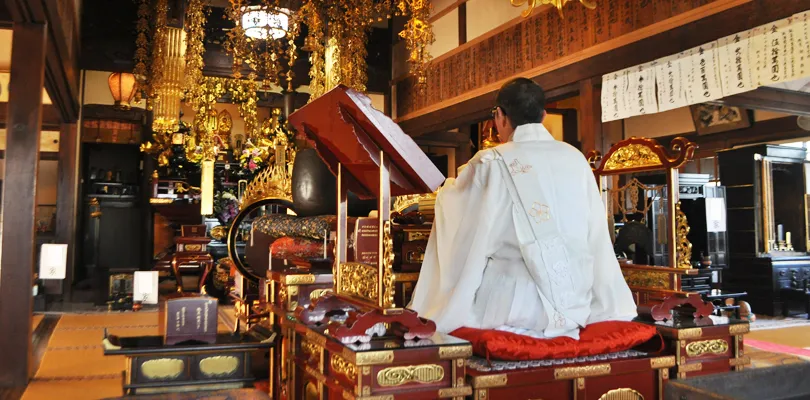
x=520, y=240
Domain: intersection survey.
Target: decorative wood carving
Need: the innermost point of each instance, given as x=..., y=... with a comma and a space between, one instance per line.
x=664, y=310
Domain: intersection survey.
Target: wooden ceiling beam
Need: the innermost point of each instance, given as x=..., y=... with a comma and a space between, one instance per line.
x=61, y=64
x=51, y=118
x=777, y=100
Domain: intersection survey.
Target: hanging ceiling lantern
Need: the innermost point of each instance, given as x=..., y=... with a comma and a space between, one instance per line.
x=260, y=22
x=122, y=87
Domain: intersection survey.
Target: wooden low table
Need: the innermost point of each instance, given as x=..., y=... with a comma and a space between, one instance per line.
x=152, y=367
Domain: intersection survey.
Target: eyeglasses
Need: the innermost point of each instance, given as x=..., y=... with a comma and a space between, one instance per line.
x=494, y=111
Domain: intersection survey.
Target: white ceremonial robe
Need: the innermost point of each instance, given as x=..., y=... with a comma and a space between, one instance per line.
x=542, y=265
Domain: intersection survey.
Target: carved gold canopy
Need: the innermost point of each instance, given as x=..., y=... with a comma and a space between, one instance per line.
x=649, y=284
x=641, y=154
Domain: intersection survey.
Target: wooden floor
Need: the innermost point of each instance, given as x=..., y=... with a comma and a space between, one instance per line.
x=43, y=330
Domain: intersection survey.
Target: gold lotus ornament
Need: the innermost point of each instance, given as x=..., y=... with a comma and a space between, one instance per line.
x=591, y=4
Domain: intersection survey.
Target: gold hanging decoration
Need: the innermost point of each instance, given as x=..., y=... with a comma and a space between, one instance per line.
x=269, y=50
x=418, y=35
x=142, y=50
x=195, y=48
x=559, y=4
x=338, y=34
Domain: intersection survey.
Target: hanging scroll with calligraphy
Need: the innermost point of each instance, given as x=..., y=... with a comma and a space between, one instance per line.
x=774, y=55
x=801, y=49
x=733, y=52
x=758, y=51
x=704, y=80
x=670, y=87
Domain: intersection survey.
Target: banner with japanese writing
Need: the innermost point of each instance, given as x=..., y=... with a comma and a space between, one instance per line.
x=735, y=68
x=670, y=89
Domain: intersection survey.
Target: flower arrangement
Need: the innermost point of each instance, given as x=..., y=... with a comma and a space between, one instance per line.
x=254, y=157
x=226, y=207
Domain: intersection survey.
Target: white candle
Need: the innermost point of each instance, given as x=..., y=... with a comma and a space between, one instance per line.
x=787, y=237
x=325, y=236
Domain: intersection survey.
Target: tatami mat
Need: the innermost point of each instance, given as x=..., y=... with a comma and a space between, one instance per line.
x=74, y=365
x=79, y=363
x=124, y=319
x=35, y=320
x=85, y=389
x=765, y=359
x=92, y=337
x=794, y=337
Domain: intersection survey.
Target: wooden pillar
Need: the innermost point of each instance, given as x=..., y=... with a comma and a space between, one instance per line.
x=590, y=116
x=462, y=23
x=17, y=245
x=67, y=187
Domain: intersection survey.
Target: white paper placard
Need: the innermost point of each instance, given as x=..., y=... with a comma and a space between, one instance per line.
x=704, y=80
x=790, y=31
x=612, y=92
x=733, y=52
x=801, y=48
x=650, y=100
x=622, y=96
x=53, y=261
x=641, y=90
x=145, y=287
x=605, y=96
x=774, y=54
x=670, y=87
x=715, y=215
x=758, y=54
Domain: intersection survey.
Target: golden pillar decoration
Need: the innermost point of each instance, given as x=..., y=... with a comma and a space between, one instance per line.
x=168, y=83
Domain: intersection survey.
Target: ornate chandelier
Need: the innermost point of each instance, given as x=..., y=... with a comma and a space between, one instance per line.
x=591, y=4
x=261, y=24
x=264, y=39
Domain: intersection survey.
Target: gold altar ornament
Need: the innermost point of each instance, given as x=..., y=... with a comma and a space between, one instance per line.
x=622, y=394
x=343, y=367
x=559, y=4
x=684, y=250
x=271, y=183
x=647, y=279
x=217, y=366
x=699, y=348
x=632, y=156
x=424, y=374
x=338, y=34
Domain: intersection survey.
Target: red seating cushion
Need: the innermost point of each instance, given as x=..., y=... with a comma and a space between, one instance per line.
x=595, y=339
x=296, y=249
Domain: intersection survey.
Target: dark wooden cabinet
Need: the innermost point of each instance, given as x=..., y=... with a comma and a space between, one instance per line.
x=766, y=188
